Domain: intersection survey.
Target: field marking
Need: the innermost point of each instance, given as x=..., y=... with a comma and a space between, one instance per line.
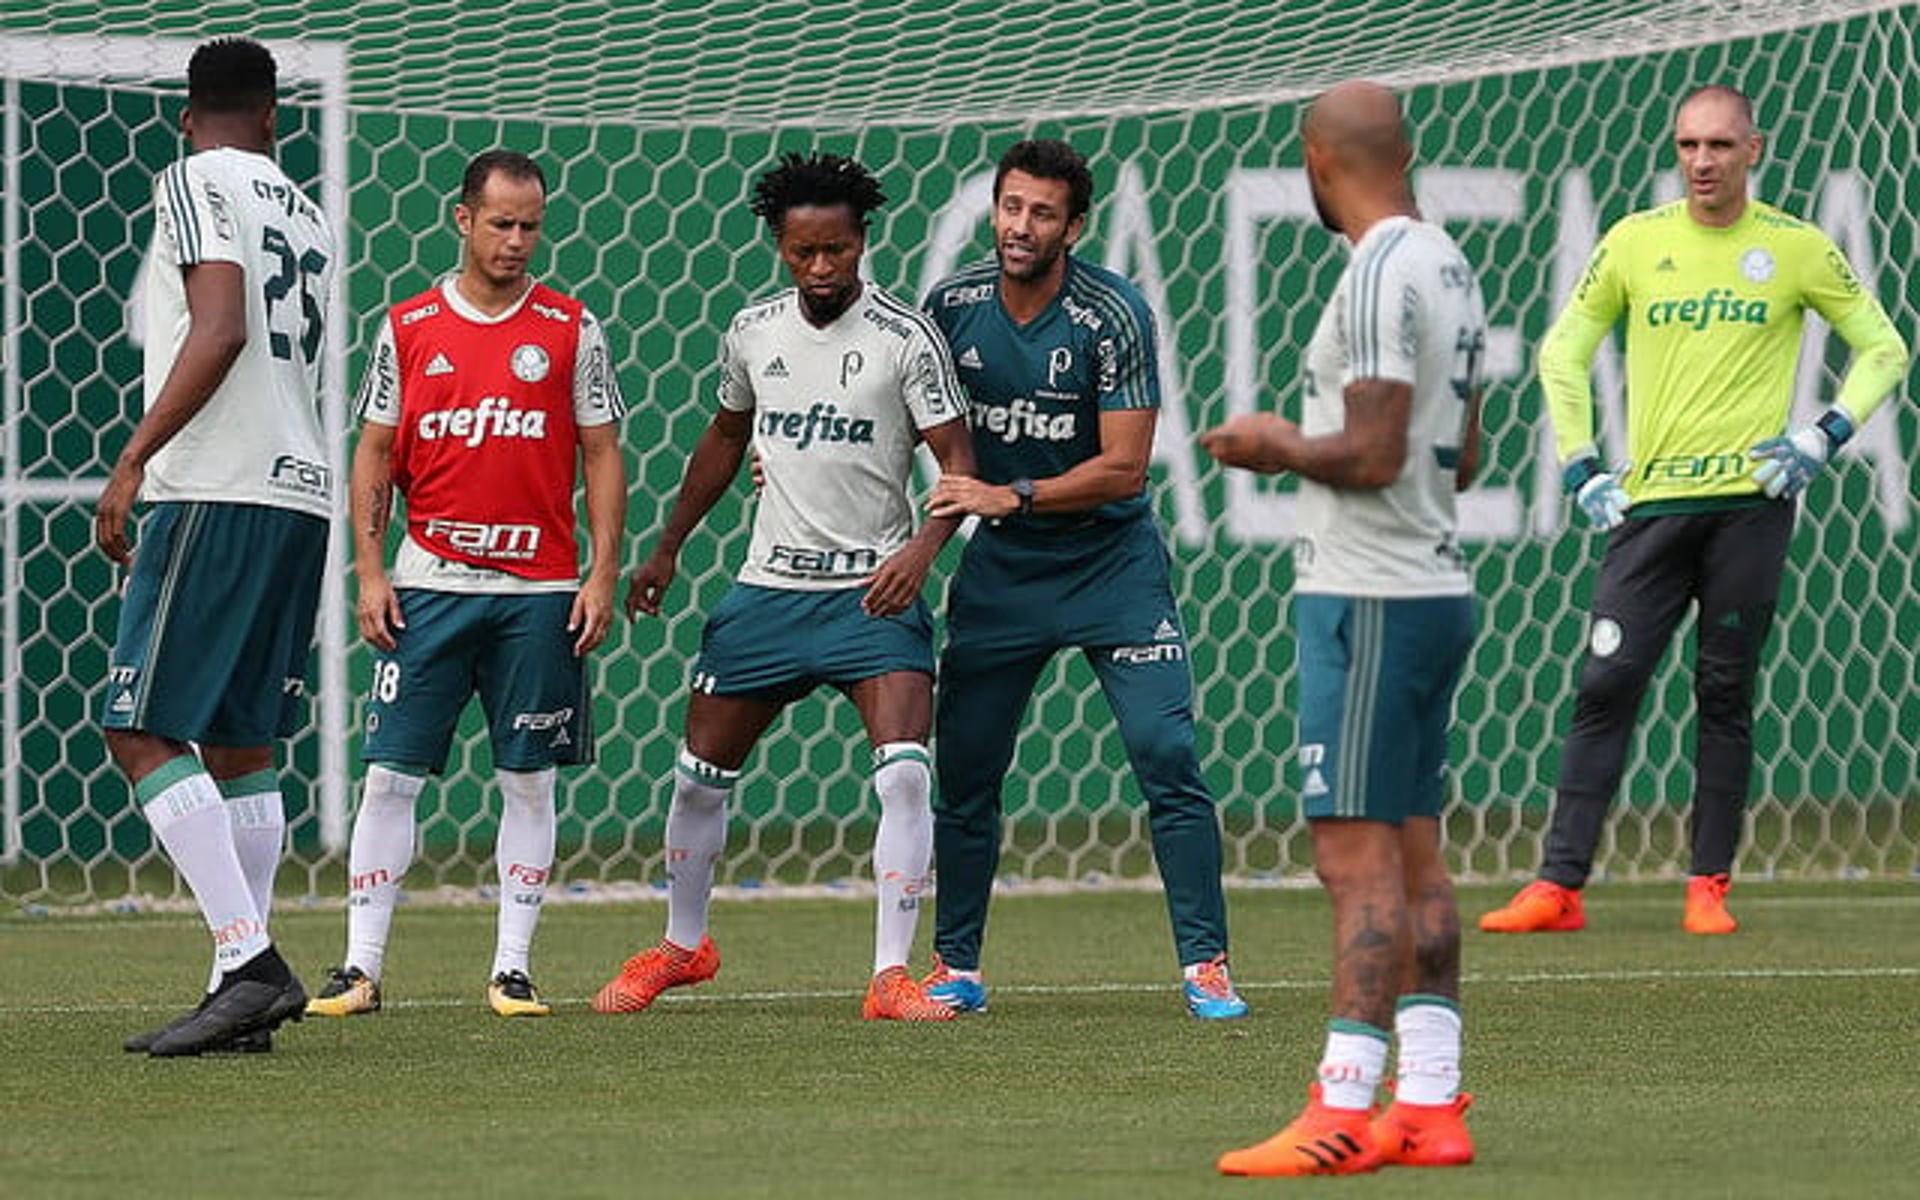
x=1647, y=975
x=175, y=914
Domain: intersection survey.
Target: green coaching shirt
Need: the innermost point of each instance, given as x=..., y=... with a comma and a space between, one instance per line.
x=1713, y=319
x=1035, y=392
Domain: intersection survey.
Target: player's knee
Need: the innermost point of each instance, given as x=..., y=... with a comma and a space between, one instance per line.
x=1725, y=707
x=968, y=786
x=901, y=777
x=392, y=787
x=1359, y=858
x=1723, y=688
x=1608, y=682
x=701, y=785
x=966, y=814
x=528, y=790
x=1163, y=755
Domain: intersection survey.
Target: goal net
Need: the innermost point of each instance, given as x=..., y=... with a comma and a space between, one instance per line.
x=1537, y=123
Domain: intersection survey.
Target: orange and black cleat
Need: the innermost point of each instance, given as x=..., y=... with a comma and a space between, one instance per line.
x=1320, y=1141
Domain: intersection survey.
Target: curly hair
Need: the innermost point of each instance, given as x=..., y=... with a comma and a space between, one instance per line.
x=817, y=179
x=231, y=75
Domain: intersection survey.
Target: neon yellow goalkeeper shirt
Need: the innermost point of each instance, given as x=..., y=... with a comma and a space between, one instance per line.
x=1713, y=319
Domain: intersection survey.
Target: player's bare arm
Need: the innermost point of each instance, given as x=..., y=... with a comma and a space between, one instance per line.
x=1118, y=472
x=370, y=509
x=895, y=586
x=710, y=472
x=1369, y=452
x=605, y=471
x=217, y=304
x=1468, y=467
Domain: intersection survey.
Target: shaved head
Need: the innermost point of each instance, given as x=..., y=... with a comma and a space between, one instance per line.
x=1357, y=154
x=1360, y=123
x=1722, y=94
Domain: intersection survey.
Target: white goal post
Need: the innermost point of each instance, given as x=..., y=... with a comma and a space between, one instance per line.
x=150, y=62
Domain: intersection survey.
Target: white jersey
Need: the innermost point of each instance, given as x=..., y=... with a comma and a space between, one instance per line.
x=836, y=413
x=1407, y=309
x=258, y=440
x=596, y=401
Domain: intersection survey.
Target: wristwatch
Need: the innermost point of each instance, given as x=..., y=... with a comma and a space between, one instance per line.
x=1023, y=488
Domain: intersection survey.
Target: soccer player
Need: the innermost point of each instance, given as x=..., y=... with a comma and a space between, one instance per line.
x=485, y=398
x=1384, y=616
x=1714, y=290
x=832, y=382
x=208, y=667
x=1062, y=378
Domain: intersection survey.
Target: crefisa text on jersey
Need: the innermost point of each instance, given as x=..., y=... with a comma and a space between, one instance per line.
x=822, y=422
x=494, y=416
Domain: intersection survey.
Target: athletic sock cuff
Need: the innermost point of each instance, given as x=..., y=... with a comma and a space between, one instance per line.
x=1419, y=999
x=410, y=770
x=165, y=776
x=1342, y=1025
x=254, y=783
x=697, y=770
x=889, y=753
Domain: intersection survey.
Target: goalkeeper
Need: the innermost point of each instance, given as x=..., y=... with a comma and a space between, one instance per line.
x=1713, y=290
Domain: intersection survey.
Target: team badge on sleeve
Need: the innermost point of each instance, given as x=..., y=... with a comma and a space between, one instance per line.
x=529, y=363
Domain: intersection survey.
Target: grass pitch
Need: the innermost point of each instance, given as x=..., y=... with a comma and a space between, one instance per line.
x=1627, y=1060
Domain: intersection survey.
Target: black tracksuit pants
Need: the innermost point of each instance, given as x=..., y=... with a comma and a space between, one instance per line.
x=1728, y=563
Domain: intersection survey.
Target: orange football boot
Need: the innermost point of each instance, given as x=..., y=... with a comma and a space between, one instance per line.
x=1539, y=907
x=1320, y=1141
x=1707, y=905
x=652, y=971
x=895, y=995
x=1425, y=1135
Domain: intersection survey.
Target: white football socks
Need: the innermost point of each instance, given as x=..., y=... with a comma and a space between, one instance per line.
x=1353, y=1065
x=1428, y=1030
x=902, y=848
x=259, y=820
x=182, y=804
x=696, y=838
x=523, y=855
x=383, y=834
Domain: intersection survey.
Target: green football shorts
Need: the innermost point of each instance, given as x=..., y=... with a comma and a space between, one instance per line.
x=216, y=625
x=782, y=643
x=514, y=651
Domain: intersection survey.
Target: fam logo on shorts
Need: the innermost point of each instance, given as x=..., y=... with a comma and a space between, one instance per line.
x=1166, y=647
x=554, y=722
x=529, y=363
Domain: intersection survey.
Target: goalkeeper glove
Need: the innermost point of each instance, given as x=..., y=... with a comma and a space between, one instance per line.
x=1597, y=490
x=1789, y=462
